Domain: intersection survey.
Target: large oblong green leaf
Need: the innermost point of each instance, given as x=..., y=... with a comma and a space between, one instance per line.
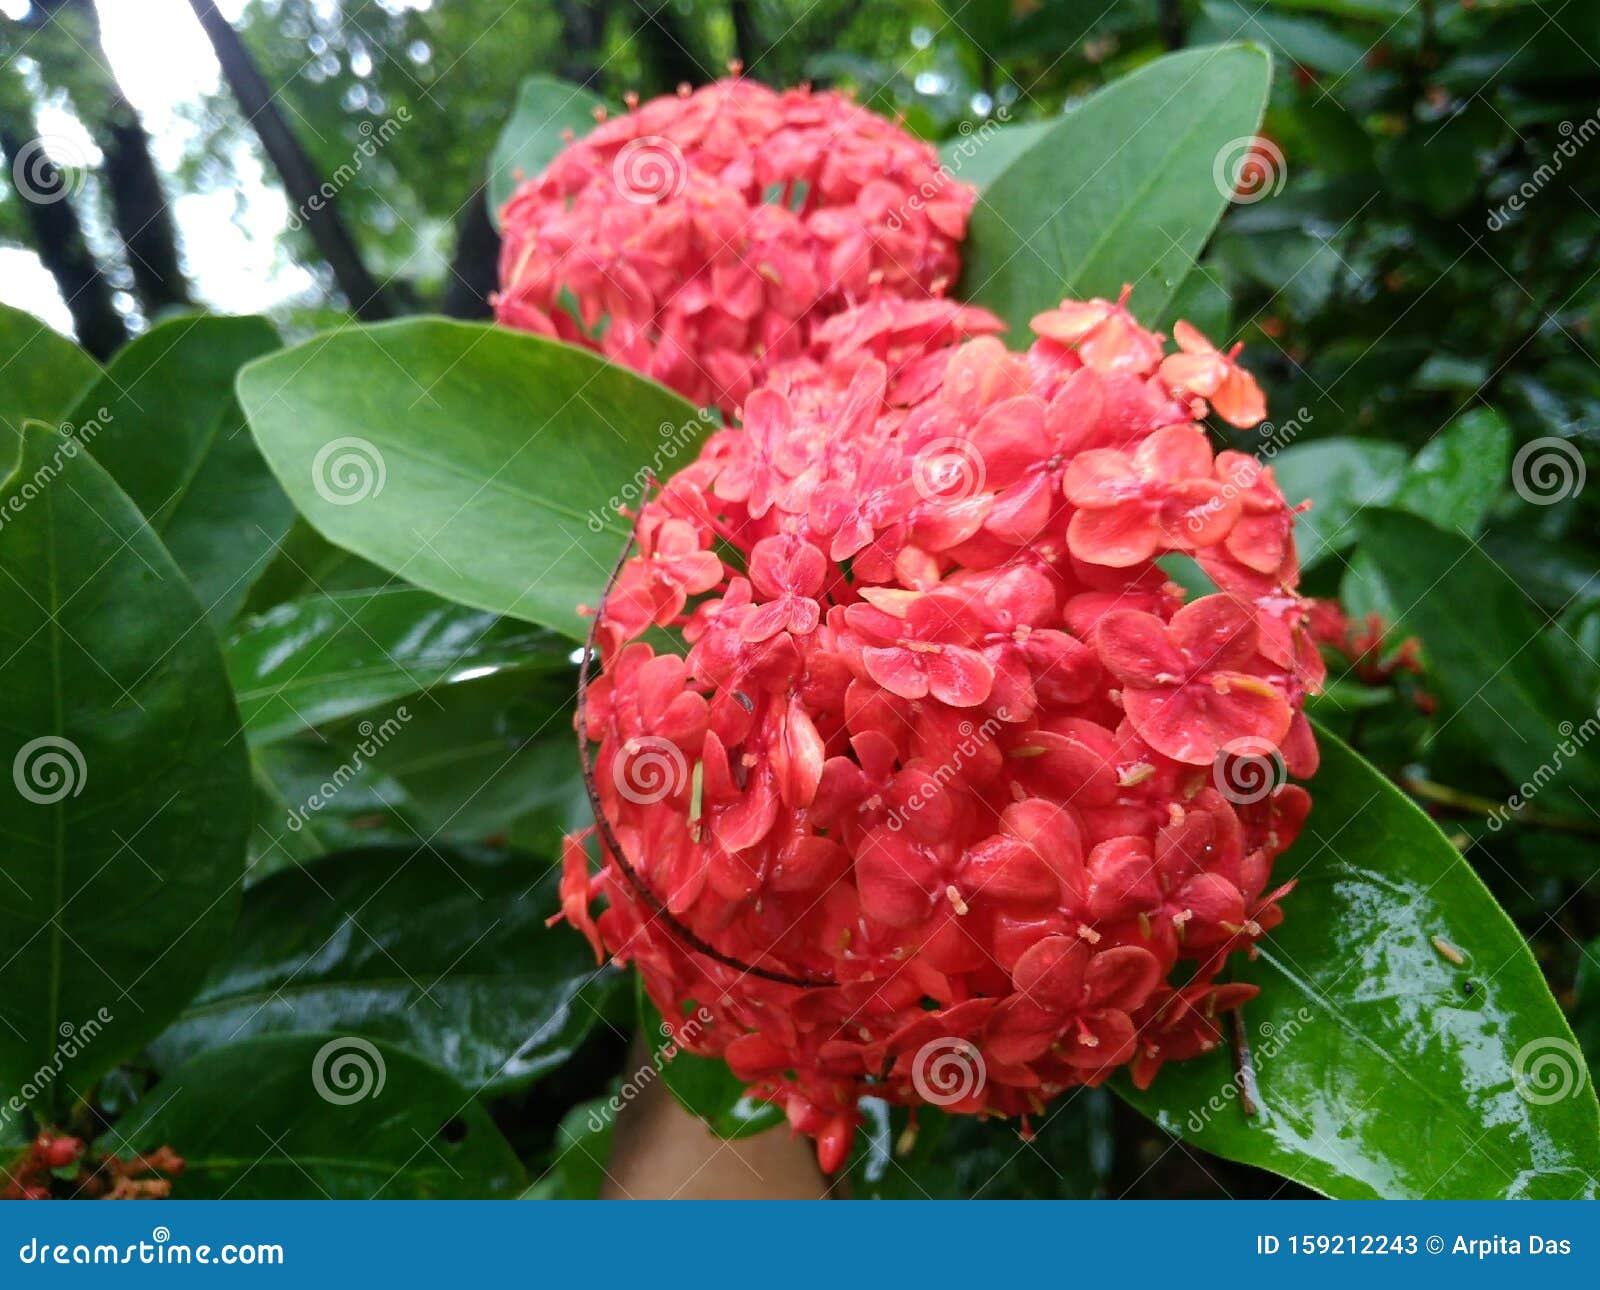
x=483, y=464
x=128, y=797
x=1383, y=1067
x=328, y=656
x=320, y=1117
x=1122, y=190
x=1517, y=683
x=442, y=949
x=42, y=374
x=171, y=434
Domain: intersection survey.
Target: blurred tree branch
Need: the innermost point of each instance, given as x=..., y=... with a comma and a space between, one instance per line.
x=306, y=188
x=45, y=197
x=72, y=55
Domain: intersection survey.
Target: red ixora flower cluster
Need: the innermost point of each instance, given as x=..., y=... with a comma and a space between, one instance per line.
x=950, y=761
x=700, y=238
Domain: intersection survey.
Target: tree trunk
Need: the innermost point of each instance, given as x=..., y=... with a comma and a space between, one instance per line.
x=58, y=238
x=312, y=198
x=475, y=268
x=72, y=56
x=665, y=47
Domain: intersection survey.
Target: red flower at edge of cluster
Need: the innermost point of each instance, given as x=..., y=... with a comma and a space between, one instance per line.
x=946, y=736
x=701, y=238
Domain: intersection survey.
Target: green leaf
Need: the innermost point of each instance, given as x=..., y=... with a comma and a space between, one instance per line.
x=173, y=437
x=1341, y=477
x=482, y=464
x=961, y=1157
x=326, y=657
x=1457, y=475
x=1122, y=190
x=1382, y=1067
x=583, y=1146
x=43, y=375
x=307, y=564
x=980, y=155
x=1517, y=685
x=320, y=1117
x=546, y=110
x=443, y=950
x=1307, y=42
x=125, y=814
x=704, y=1086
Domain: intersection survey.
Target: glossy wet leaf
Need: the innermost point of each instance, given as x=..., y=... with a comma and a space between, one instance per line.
x=482, y=464
x=42, y=377
x=1456, y=476
x=442, y=950
x=173, y=437
x=1340, y=477
x=704, y=1086
x=960, y=1157
x=126, y=797
x=549, y=113
x=320, y=1117
x=315, y=660
x=1383, y=1068
x=1521, y=686
x=1119, y=191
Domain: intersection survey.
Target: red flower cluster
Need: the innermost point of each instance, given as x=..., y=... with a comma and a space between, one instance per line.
x=700, y=238
x=949, y=761
x=52, y=1165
